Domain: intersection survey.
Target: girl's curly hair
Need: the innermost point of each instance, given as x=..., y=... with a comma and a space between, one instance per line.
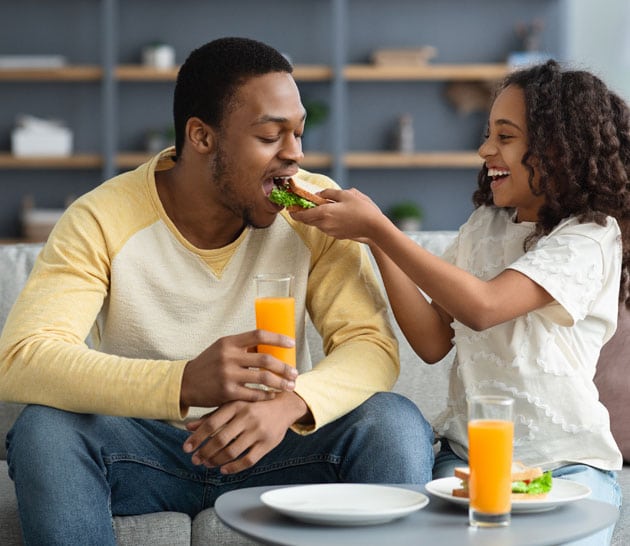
x=579, y=139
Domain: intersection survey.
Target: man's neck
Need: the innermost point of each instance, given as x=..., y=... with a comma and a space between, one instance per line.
x=193, y=212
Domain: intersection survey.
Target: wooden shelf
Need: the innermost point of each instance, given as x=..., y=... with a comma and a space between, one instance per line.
x=77, y=161
x=395, y=160
x=140, y=73
x=353, y=72
x=452, y=72
x=312, y=160
x=130, y=160
x=314, y=72
x=130, y=72
x=66, y=73
x=316, y=160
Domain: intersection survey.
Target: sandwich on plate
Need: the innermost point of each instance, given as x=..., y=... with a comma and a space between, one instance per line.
x=528, y=483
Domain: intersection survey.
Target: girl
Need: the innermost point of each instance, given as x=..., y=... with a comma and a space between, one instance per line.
x=529, y=291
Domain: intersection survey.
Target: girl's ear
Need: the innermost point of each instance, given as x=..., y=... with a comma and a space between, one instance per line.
x=200, y=136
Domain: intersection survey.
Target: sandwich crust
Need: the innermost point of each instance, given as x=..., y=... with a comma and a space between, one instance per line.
x=304, y=194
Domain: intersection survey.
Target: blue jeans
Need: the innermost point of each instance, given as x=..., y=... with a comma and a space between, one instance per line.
x=73, y=472
x=603, y=484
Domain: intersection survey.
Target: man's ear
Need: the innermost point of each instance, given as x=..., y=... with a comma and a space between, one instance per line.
x=200, y=135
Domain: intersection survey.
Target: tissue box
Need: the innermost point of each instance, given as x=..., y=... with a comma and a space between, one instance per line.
x=36, y=141
x=417, y=56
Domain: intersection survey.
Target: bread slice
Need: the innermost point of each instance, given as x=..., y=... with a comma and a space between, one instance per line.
x=524, y=473
x=463, y=473
x=305, y=194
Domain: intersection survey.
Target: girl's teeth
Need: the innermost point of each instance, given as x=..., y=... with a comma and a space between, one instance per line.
x=496, y=172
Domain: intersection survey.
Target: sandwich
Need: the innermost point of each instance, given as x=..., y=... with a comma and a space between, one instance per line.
x=527, y=482
x=288, y=194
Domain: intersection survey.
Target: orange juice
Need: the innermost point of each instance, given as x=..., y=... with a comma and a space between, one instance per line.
x=277, y=315
x=490, y=458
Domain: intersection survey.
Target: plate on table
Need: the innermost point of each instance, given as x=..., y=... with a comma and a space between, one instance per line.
x=562, y=492
x=344, y=503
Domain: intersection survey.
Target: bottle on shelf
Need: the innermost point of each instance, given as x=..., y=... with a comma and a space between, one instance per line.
x=405, y=138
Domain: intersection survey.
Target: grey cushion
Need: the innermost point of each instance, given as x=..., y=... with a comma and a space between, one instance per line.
x=160, y=529
x=17, y=262
x=10, y=533
x=206, y=524
x=8, y=414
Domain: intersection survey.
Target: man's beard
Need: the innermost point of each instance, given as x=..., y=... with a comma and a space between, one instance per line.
x=225, y=184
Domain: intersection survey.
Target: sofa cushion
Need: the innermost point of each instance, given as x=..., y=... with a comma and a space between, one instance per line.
x=17, y=262
x=10, y=532
x=613, y=381
x=207, y=524
x=158, y=529
x=8, y=414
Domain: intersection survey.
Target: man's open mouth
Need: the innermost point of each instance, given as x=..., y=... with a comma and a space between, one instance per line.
x=281, y=181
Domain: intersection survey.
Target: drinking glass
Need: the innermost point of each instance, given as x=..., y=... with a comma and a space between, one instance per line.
x=275, y=311
x=490, y=441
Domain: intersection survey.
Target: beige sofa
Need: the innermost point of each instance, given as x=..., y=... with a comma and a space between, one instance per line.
x=425, y=385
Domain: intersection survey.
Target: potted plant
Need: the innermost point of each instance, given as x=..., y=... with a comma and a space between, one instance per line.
x=316, y=114
x=407, y=215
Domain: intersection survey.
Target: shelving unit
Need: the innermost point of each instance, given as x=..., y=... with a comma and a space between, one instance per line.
x=302, y=73
x=118, y=99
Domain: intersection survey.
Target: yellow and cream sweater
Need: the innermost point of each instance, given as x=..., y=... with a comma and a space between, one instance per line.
x=117, y=270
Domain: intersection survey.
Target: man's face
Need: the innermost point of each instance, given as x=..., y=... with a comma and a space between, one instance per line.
x=260, y=140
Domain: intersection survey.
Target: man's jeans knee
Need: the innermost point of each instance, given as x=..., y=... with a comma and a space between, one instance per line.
x=396, y=440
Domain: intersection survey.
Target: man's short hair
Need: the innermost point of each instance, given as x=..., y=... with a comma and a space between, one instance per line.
x=211, y=75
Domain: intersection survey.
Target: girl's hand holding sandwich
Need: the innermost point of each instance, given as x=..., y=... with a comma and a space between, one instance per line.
x=351, y=215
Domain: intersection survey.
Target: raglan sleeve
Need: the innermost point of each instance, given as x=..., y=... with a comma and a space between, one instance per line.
x=44, y=357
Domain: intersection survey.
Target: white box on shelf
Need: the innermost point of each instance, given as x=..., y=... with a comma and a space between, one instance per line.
x=35, y=137
x=32, y=61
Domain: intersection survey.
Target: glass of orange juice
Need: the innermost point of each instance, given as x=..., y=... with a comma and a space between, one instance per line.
x=275, y=311
x=490, y=441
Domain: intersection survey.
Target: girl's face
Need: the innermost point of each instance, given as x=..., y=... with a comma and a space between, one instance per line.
x=503, y=149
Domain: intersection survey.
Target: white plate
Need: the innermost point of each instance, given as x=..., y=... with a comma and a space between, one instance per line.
x=562, y=492
x=344, y=503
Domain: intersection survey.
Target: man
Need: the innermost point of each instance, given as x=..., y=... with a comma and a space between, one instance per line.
x=158, y=263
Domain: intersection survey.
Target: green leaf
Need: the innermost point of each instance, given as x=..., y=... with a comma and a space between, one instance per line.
x=535, y=487
x=286, y=199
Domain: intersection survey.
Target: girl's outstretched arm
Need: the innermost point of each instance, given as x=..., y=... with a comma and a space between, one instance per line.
x=474, y=302
x=425, y=325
